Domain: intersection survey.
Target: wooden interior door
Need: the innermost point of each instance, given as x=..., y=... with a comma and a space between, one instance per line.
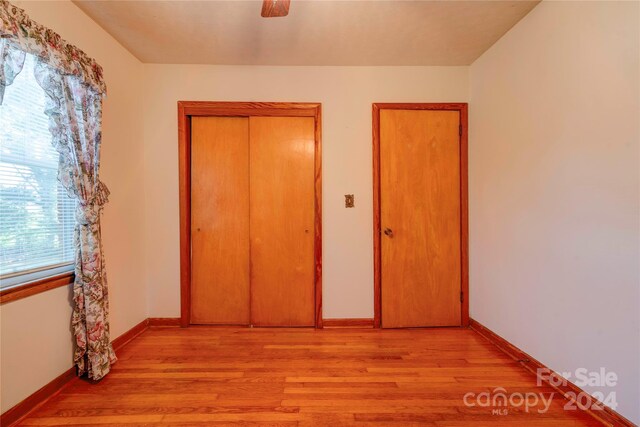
x=282, y=221
x=420, y=218
x=220, y=220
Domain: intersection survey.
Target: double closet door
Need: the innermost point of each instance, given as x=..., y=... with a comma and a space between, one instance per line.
x=252, y=221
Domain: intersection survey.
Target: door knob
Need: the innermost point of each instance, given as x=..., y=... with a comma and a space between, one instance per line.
x=388, y=232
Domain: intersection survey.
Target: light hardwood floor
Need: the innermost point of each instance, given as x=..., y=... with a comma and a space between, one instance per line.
x=281, y=377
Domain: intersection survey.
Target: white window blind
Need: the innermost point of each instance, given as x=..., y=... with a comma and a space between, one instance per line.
x=36, y=214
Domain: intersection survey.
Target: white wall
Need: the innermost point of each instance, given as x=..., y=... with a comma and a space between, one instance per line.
x=554, y=190
x=346, y=94
x=35, y=332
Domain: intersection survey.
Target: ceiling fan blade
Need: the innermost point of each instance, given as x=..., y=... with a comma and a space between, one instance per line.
x=275, y=8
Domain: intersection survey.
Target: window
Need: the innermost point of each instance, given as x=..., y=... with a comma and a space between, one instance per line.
x=36, y=214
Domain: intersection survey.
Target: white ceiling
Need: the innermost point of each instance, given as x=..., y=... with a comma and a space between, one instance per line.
x=316, y=32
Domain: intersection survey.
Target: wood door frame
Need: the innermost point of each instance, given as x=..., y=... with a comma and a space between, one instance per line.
x=464, y=203
x=188, y=109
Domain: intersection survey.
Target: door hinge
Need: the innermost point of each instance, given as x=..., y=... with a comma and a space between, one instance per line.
x=460, y=130
x=461, y=296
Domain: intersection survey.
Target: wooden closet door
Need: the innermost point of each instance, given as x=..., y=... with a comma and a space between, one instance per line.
x=282, y=221
x=420, y=218
x=220, y=220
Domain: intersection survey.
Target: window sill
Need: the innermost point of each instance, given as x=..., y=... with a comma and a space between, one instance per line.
x=32, y=288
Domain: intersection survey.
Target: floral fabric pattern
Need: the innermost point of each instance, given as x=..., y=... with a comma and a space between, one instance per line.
x=19, y=31
x=74, y=89
x=75, y=115
x=12, y=60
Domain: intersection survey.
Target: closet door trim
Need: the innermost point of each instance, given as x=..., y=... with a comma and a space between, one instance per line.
x=464, y=210
x=188, y=109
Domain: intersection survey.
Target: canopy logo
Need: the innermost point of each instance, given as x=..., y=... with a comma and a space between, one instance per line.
x=500, y=401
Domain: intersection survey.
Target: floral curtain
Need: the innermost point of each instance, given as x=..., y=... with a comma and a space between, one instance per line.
x=74, y=87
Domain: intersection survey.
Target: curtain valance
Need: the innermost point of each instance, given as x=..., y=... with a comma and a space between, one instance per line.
x=18, y=31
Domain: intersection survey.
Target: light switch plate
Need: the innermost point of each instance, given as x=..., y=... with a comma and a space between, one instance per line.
x=349, y=201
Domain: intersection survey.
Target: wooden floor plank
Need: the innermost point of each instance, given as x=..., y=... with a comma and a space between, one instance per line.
x=304, y=377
